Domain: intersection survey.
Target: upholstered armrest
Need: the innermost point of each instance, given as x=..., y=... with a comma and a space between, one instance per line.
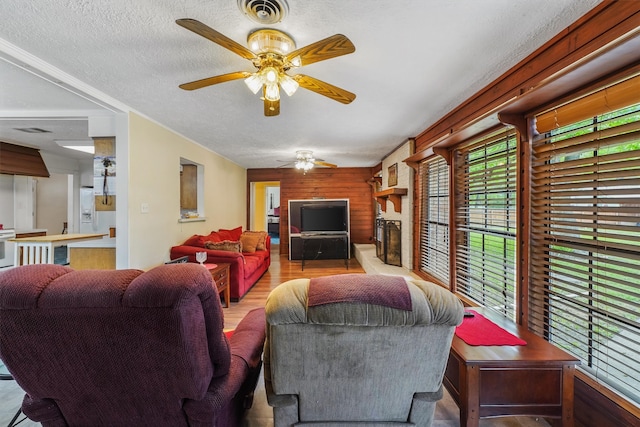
x=44, y=411
x=246, y=345
x=213, y=256
x=248, y=338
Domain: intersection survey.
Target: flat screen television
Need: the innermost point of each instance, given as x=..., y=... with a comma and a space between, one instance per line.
x=323, y=218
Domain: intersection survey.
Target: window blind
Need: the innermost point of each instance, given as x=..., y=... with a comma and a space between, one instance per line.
x=585, y=244
x=603, y=101
x=485, y=181
x=434, y=218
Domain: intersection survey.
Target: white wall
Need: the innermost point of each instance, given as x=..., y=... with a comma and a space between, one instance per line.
x=51, y=203
x=79, y=170
x=405, y=180
x=154, y=154
x=6, y=201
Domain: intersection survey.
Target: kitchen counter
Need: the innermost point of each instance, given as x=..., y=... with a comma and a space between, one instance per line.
x=31, y=232
x=99, y=254
x=105, y=242
x=39, y=249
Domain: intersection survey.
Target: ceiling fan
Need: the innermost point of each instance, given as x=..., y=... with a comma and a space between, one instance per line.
x=273, y=53
x=305, y=161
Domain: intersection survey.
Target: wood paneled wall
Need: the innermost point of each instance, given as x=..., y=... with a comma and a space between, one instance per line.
x=339, y=183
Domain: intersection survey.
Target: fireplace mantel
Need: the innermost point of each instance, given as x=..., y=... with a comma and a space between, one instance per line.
x=393, y=194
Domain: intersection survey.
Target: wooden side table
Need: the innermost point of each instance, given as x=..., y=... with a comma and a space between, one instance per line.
x=490, y=381
x=220, y=274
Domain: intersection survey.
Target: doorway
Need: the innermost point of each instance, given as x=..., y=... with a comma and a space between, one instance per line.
x=265, y=208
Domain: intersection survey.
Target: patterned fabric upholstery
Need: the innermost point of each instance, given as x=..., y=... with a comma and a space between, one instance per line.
x=356, y=362
x=125, y=347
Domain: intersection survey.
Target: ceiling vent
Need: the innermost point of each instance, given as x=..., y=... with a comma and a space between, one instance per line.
x=33, y=130
x=264, y=11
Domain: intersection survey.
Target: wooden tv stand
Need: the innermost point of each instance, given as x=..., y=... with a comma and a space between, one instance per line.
x=343, y=238
x=490, y=381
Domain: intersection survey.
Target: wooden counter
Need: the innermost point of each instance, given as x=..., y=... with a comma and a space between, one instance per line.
x=39, y=249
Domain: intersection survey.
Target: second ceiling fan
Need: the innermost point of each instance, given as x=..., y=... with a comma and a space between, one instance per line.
x=273, y=53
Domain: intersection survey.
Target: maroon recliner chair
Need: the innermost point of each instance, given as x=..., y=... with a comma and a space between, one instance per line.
x=126, y=347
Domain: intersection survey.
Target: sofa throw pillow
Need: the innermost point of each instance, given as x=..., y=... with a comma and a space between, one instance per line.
x=262, y=238
x=195, y=240
x=249, y=242
x=233, y=234
x=214, y=236
x=225, y=245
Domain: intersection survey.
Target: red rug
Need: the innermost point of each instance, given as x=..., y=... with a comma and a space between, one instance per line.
x=478, y=330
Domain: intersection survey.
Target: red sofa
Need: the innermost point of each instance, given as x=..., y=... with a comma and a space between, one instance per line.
x=246, y=268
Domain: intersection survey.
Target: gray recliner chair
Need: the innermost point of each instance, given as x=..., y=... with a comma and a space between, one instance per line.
x=357, y=349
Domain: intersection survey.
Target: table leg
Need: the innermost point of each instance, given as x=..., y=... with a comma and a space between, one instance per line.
x=227, y=297
x=470, y=396
x=568, y=372
x=346, y=252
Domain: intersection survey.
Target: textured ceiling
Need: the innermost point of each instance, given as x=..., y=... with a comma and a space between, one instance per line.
x=415, y=60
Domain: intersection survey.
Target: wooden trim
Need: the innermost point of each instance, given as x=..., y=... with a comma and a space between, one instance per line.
x=523, y=201
x=593, y=33
x=393, y=194
x=516, y=120
x=596, y=405
x=415, y=159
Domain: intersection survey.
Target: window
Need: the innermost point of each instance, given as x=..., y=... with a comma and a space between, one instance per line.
x=485, y=197
x=191, y=191
x=585, y=243
x=434, y=219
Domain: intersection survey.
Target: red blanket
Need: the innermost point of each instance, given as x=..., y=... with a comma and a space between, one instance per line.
x=377, y=289
x=478, y=330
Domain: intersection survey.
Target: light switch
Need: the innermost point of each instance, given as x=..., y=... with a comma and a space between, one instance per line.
x=144, y=208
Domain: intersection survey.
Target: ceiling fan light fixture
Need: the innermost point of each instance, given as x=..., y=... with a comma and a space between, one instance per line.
x=288, y=84
x=254, y=83
x=304, y=160
x=270, y=75
x=305, y=165
x=272, y=92
x=270, y=41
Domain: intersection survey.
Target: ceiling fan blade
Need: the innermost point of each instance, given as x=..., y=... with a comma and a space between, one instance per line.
x=198, y=84
x=271, y=108
x=325, y=164
x=324, y=88
x=216, y=37
x=331, y=47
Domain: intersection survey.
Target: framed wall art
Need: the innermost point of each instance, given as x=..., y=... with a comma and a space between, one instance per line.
x=392, y=178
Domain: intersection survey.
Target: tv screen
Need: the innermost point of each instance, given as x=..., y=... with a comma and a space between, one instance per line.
x=323, y=218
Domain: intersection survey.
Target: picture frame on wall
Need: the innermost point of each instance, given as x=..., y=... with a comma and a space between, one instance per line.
x=392, y=178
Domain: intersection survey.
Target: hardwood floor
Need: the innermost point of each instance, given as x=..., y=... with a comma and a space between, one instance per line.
x=280, y=271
